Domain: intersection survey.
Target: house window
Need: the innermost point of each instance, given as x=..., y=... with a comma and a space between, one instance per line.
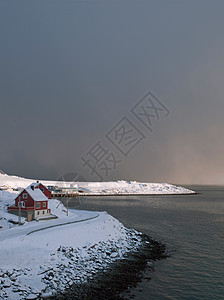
x=38, y=205
x=44, y=204
x=38, y=212
x=43, y=212
x=42, y=189
x=25, y=196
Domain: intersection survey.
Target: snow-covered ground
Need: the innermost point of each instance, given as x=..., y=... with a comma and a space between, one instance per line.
x=39, y=259
x=122, y=187
x=119, y=187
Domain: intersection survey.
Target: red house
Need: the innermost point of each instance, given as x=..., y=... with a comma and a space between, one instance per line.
x=32, y=202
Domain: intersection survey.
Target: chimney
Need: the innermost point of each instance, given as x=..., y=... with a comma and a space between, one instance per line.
x=37, y=181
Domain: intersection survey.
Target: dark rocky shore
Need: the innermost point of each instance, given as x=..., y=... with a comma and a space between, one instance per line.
x=114, y=282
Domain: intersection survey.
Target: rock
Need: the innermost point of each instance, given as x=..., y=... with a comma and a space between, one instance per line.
x=150, y=264
x=6, y=284
x=54, y=285
x=46, y=295
x=70, y=283
x=114, y=254
x=31, y=297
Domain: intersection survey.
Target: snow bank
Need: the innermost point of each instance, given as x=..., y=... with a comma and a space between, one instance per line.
x=6, y=219
x=39, y=259
x=131, y=188
x=49, y=261
x=119, y=187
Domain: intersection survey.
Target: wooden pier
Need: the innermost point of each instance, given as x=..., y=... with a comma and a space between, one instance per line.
x=62, y=195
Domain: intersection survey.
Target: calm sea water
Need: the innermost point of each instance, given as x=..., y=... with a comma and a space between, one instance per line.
x=191, y=225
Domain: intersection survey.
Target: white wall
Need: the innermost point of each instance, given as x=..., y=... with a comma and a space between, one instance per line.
x=41, y=214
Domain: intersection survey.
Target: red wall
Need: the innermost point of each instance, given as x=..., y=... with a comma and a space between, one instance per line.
x=41, y=205
x=29, y=202
x=46, y=192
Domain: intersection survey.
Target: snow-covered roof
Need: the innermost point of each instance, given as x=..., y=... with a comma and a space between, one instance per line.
x=36, y=194
x=35, y=184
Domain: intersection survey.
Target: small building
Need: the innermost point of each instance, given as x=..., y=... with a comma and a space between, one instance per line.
x=32, y=203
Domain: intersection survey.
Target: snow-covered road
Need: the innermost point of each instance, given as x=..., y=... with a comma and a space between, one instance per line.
x=79, y=216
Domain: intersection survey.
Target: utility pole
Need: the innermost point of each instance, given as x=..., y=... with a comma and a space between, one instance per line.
x=67, y=204
x=19, y=221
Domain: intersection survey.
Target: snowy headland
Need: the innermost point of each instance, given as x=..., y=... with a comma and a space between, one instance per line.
x=120, y=187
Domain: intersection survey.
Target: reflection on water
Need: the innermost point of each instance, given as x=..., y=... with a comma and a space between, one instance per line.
x=192, y=225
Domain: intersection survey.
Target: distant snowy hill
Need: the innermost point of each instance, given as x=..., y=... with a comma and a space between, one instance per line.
x=120, y=187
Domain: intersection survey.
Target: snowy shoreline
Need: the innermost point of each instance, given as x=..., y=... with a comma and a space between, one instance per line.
x=119, y=188
x=47, y=263
x=120, y=276
x=129, y=194
x=46, y=258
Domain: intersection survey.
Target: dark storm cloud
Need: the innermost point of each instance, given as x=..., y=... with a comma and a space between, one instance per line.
x=70, y=70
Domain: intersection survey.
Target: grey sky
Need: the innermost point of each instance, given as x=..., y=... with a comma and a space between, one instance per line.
x=70, y=70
